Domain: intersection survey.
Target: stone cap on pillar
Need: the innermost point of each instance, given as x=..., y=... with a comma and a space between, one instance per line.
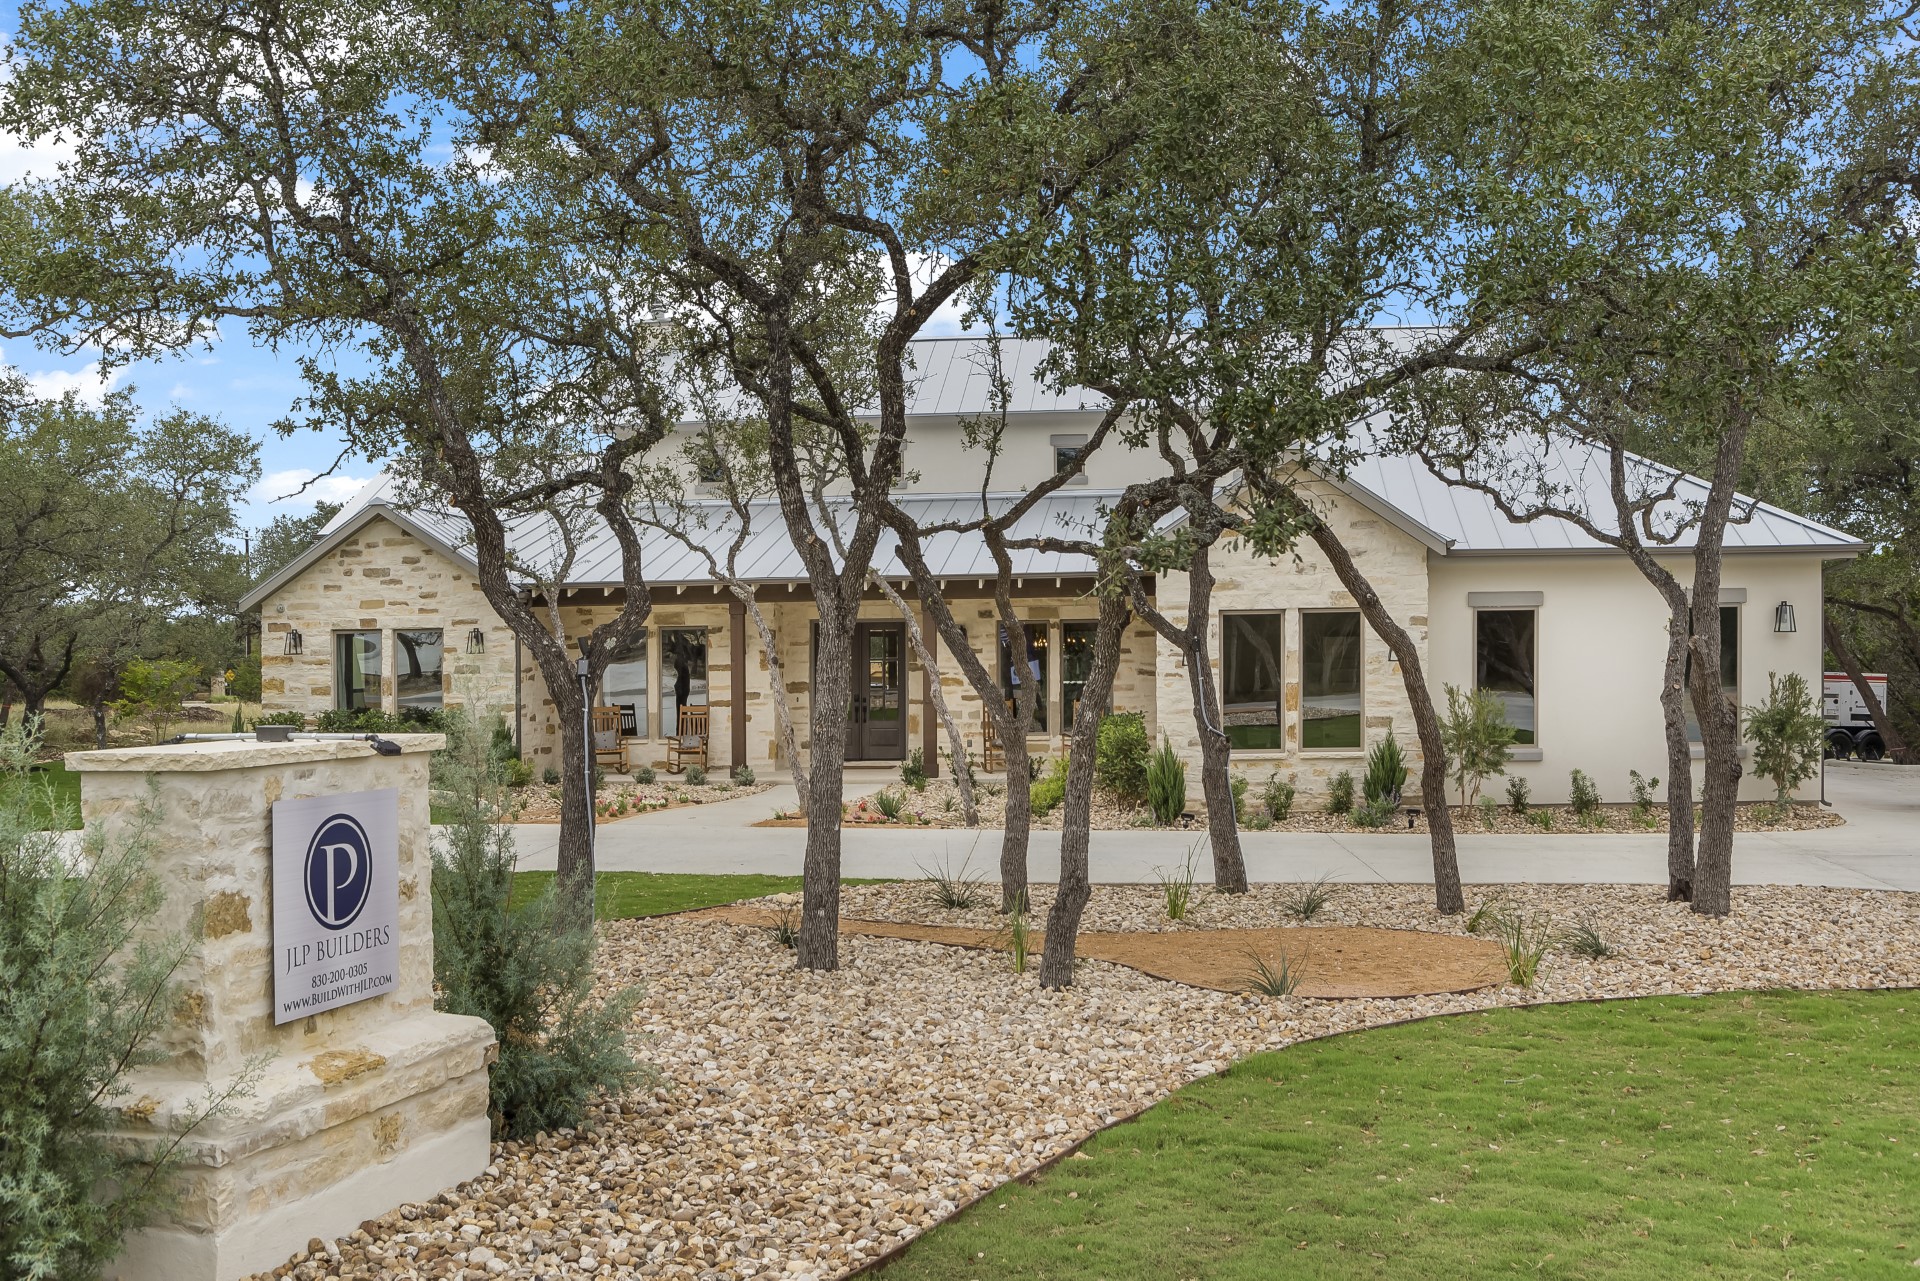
x=224, y=754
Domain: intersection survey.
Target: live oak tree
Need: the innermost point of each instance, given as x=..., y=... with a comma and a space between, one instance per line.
x=1729, y=189
x=785, y=167
x=298, y=170
x=110, y=528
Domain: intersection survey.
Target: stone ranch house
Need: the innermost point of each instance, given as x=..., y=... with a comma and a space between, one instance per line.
x=383, y=611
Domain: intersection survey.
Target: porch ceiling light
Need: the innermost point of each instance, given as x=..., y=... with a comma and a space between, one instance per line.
x=1783, y=617
x=476, y=641
x=294, y=644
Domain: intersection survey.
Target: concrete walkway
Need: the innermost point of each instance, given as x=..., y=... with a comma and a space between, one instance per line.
x=1879, y=848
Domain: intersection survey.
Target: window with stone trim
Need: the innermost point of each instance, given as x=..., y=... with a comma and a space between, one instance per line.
x=1034, y=669
x=1330, y=680
x=417, y=680
x=1252, y=688
x=1076, y=665
x=624, y=685
x=683, y=674
x=356, y=670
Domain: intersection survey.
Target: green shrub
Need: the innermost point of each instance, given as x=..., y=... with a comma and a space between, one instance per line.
x=528, y=970
x=962, y=767
x=1583, y=796
x=1166, y=785
x=294, y=719
x=696, y=776
x=239, y=725
x=644, y=774
x=1519, y=796
x=550, y=776
x=913, y=770
x=1121, y=750
x=1309, y=899
x=1373, y=814
x=951, y=890
x=889, y=803
x=155, y=691
x=1049, y=789
x=1477, y=739
x=743, y=776
x=372, y=720
x=1238, y=785
x=1489, y=812
x=1340, y=793
x=1277, y=796
x=243, y=679
x=1266, y=978
x=1643, y=798
x=1788, y=734
x=1386, y=772
x=1542, y=819
x=86, y=984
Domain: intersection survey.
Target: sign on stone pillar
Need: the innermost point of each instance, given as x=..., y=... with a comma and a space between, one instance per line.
x=367, y=1097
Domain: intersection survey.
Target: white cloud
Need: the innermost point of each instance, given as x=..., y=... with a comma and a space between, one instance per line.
x=946, y=320
x=281, y=489
x=86, y=382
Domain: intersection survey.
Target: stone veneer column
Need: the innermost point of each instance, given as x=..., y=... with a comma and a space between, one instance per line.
x=360, y=1108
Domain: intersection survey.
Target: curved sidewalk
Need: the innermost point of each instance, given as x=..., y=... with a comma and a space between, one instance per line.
x=1878, y=848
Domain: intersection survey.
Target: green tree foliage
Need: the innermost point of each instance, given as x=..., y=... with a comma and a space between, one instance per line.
x=155, y=691
x=1478, y=739
x=87, y=984
x=111, y=537
x=528, y=968
x=1786, y=732
x=285, y=537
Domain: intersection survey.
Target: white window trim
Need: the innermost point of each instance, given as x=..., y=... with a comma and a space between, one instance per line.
x=1326, y=753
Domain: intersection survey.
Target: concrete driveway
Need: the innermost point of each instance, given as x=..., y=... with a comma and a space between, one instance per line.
x=1879, y=848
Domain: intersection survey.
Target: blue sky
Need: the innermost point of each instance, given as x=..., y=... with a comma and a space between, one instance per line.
x=243, y=385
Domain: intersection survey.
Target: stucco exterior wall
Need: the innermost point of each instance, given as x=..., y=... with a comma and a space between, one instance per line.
x=1393, y=562
x=1601, y=646
x=381, y=578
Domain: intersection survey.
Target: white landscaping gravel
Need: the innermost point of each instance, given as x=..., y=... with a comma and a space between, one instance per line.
x=807, y=1123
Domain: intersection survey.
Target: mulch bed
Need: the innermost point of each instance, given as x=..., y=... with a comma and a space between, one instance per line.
x=1338, y=961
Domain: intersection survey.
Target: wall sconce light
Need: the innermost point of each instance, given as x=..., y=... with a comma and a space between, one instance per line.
x=1783, y=617
x=476, y=641
x=294, y=642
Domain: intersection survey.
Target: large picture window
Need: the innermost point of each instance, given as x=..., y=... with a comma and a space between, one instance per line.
x=1330, y=680
x=683, y=674
x=416, y=664
x=1252, y=648
x=1076, y=665
x=356, y=670
x=1033, y=669
x=1729, y=669
x=1505, y=642
x=625, y=686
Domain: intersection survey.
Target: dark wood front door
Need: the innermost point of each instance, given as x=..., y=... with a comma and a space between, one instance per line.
x=877, y=727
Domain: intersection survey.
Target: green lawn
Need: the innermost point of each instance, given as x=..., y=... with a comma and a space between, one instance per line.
x=621, y=896
x=1731, y=1136
x=66, y=794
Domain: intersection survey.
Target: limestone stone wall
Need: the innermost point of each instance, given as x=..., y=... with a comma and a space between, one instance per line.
x=345, y=1113
x=1394, y=563
x=381, y=578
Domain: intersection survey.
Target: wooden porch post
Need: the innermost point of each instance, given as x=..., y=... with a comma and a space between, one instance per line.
x=737, y=645
x=929, y=718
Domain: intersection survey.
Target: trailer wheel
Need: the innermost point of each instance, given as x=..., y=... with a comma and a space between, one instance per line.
x=1839, y=745
x=1870, y=748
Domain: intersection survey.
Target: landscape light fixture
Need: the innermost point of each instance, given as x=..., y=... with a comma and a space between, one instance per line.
x=1783, y=617
x=476, y=641
x=294, y=643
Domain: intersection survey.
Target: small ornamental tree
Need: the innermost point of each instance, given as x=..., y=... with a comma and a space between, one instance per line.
x=156, y=691
x=527, y=968
x=1477, y=738
x=1787, y=733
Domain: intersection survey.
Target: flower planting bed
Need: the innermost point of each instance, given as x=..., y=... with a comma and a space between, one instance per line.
x=809, y=1122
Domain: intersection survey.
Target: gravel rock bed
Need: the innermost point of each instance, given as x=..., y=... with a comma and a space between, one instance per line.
x=938, y=805
x=809, y=1122
x=541, y=802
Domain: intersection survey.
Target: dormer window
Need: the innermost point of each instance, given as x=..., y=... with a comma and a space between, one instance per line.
x=1067, y=452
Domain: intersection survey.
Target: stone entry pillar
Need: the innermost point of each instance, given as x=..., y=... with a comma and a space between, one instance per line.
x=361, y=1107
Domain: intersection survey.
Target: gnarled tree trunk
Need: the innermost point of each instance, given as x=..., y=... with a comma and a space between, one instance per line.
x=1070, y=899
x=831, y=698
x=1447, y=896
x=1673, y=698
